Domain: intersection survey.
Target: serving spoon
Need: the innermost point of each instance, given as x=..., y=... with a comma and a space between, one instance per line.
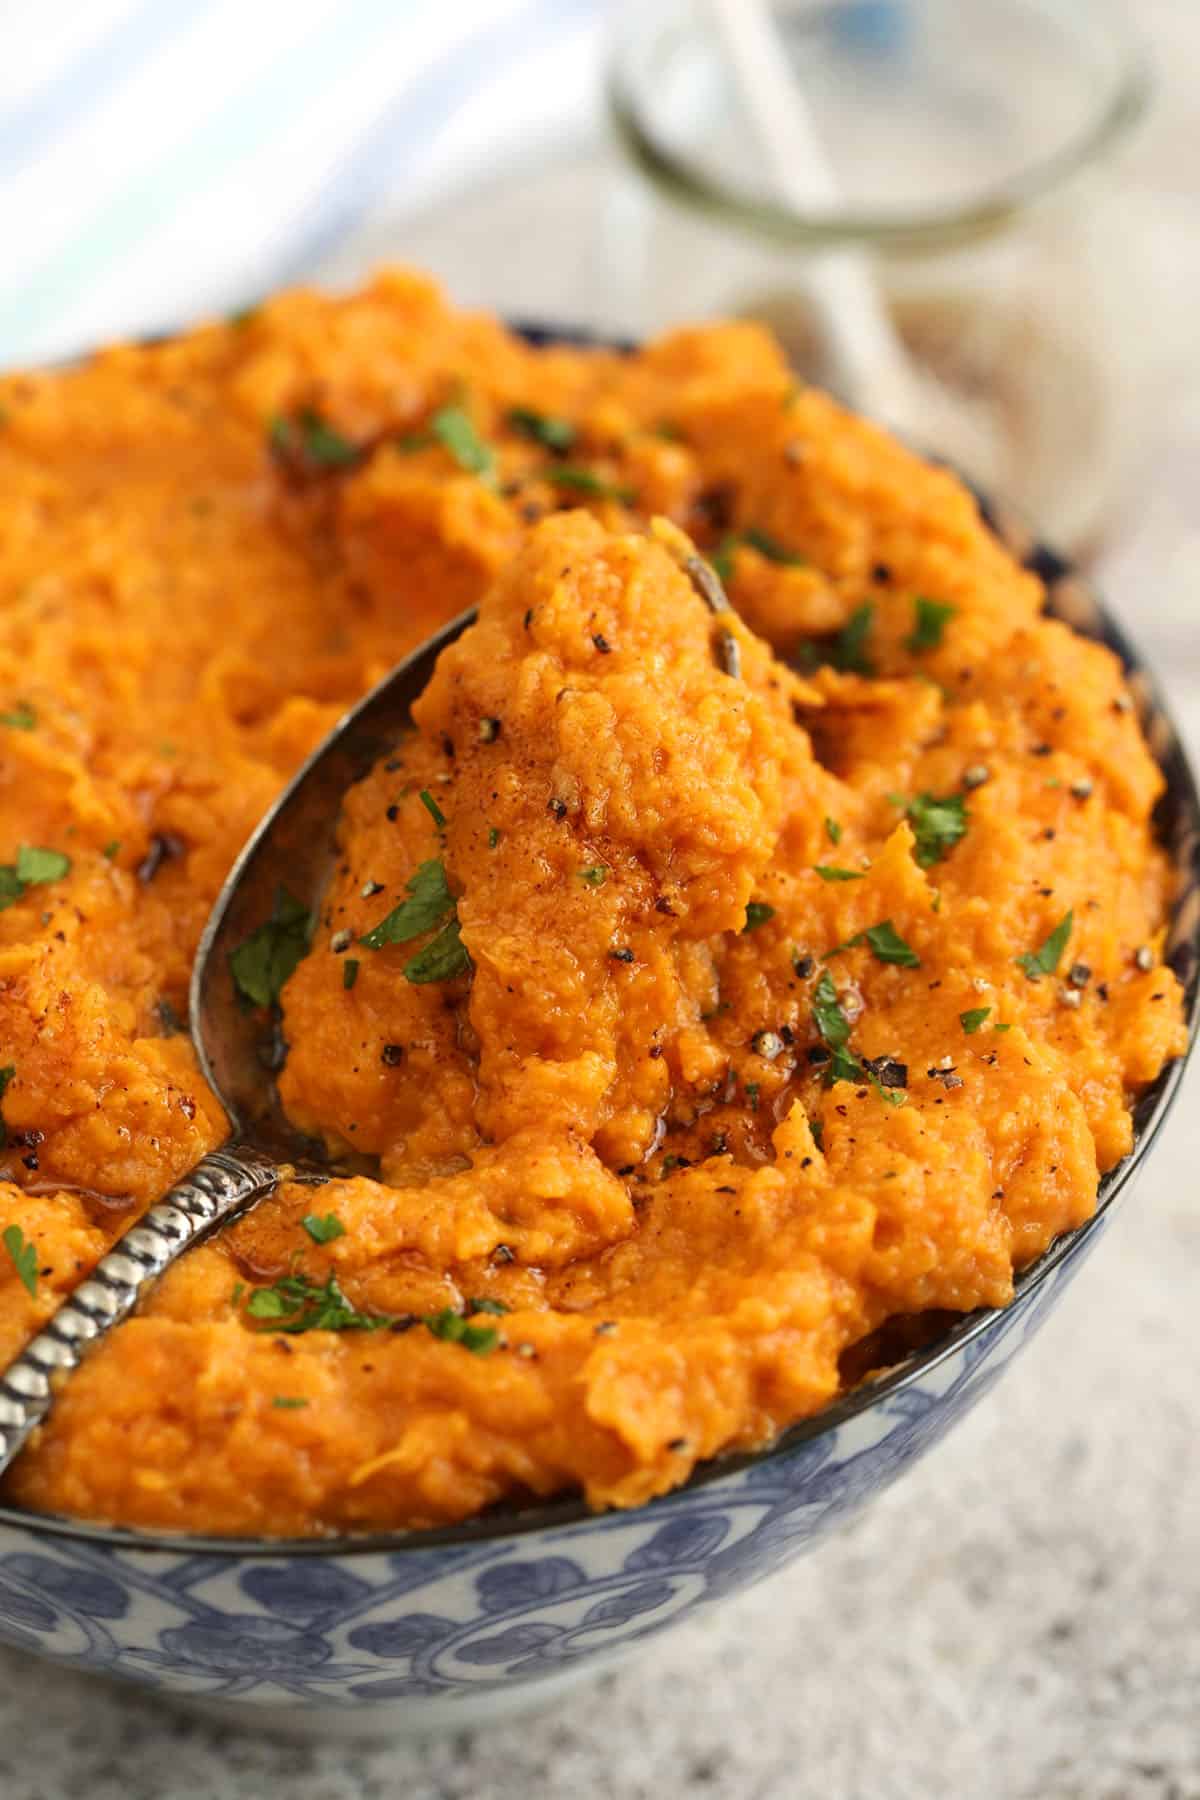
x=293, y=847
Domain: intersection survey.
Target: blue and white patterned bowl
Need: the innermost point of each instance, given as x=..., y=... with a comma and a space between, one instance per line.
x=450, y=1628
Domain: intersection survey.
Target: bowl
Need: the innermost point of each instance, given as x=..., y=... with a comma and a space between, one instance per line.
x=448, y=1629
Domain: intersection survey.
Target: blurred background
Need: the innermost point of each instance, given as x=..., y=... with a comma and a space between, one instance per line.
x=979, y=219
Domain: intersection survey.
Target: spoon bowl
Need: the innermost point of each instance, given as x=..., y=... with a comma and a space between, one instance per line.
x=292, y=849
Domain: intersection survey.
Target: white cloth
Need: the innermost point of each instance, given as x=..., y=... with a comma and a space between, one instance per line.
x=161, y=159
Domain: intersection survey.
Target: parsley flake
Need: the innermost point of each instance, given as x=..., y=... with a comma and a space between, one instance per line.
x=349, y=973
x=771, y=548
x=455, y=430
x=428, y=904
x=433, y=809
x=974, y=1018
x=36, y=866
x=833, y=831
x=757, y=913
x=453, y=1328
x=848, y=651
x=930, y=620
x=834, y=1030
x=885, y=943
x=938, y=823
x=24, y=1258
x=594, y=877
x=541, y=428
x=323, y=1230
x=721, y=559
x=294, y=1304
x=289, y=1402
x=828, y=872
x=267, y=959
x=586, y=481
x=33, y=867
x=312, y=440
x=1045, y=959
x=19, y=718
x=442, y=960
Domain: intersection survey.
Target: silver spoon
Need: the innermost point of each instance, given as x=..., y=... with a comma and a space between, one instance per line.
x=293, y=848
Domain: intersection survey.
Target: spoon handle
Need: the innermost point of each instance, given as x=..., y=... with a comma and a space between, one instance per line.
x=225, y=1183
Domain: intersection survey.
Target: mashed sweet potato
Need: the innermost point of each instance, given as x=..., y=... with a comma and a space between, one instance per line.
x=702, y=1015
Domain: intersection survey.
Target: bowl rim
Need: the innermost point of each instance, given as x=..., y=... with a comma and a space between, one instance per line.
x=1149, y=1114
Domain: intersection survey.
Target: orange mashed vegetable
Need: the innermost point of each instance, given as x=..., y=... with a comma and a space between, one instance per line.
x=690, y=1131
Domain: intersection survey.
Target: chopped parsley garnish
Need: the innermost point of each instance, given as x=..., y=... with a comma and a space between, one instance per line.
x=721, y=559
x=756, y=539
x=833, y=831
x=455, y=430
x=19, y=717
x=1045, y=959
x=112, y=849
x=974, y=1018
x=542, y=428
x=266, y=960
x=848, y=651
x=349, y=973
x=24, y=1258
x=886, y=944
x=429, y=903
x=834, y=1029
x=889, y=947
x=938, y=823
x=828, y=872
x=493, y=837
x=295, y=1304
x=594, y=877
x=315, y=441
x=442, y=960
x=289, y=1402
x=757, y=913
x=33, y=867
x=483, y=1305
x=586, y=481
x=930, y=620
x=323, y=1230
x=7, y=1074
x=453, y=1328
x=771, y=548
x=433, y=809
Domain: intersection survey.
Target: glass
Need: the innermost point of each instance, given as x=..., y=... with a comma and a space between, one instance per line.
x=966, y=137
